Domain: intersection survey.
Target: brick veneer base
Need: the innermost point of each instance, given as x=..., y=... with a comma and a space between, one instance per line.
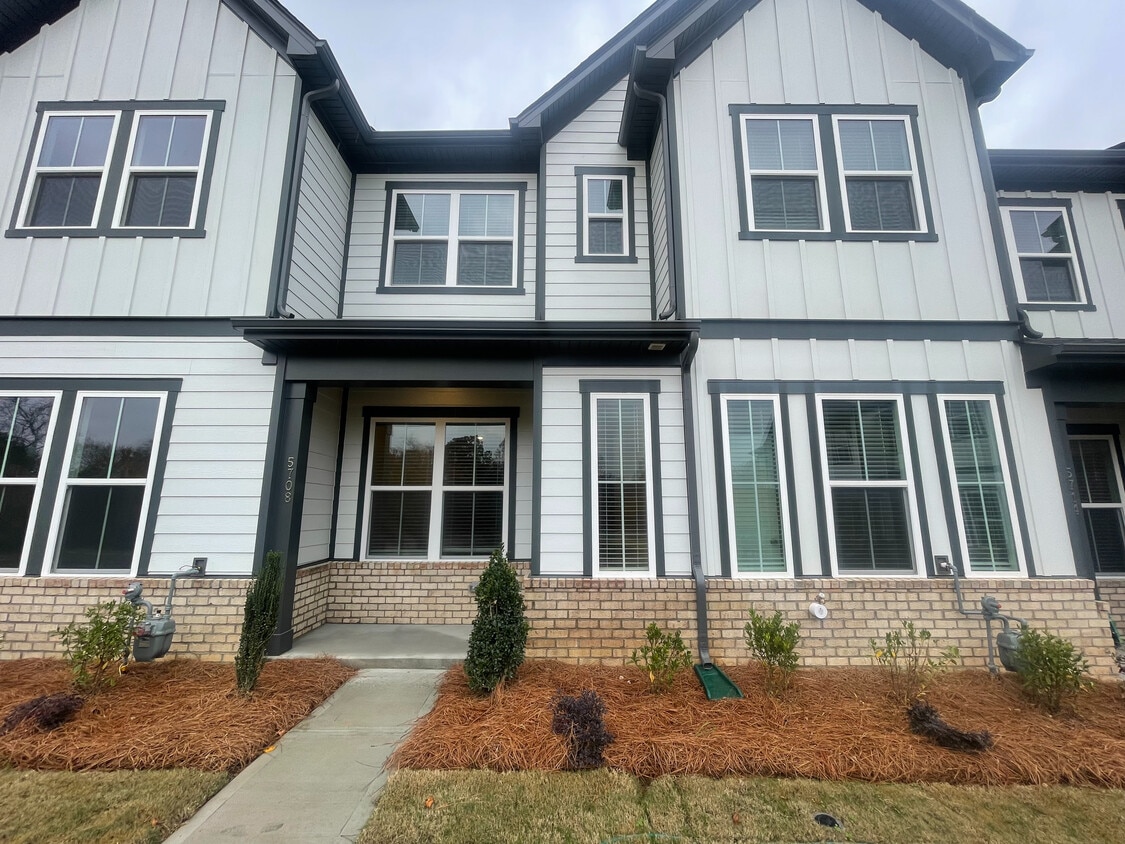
x=1112, y=591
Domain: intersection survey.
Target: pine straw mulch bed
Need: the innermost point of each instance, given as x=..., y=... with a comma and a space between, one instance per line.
x=177, y=713
x=832, y=724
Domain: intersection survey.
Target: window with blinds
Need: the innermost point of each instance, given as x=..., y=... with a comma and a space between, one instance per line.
x=785, y=172
x=985, y=514
x=26, y=423
x=880, y=179
x=1097, y=466
x=622, y=485
x=756, y=503
x=871, y=509
x=1041, y=241
x=437, y=489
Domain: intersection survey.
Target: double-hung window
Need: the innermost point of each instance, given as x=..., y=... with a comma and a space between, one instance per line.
x=622, y=485
x=757, y=507
x=871, y=508
x=461, y=239
x=985, y=511
x=784, y=168
x=69, y=170
x=878, y=169
x=1041, y=242
x=27, y=422
x=437, y=488
x=161, y=186
x=606, y=227
x=1097, y=466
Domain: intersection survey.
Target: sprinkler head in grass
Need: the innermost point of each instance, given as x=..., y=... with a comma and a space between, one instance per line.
x=825, y=819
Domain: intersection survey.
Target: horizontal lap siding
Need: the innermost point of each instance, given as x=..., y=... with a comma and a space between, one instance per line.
x=658, y=187
x=320, y=478
x=192, y=50
x=212, y=484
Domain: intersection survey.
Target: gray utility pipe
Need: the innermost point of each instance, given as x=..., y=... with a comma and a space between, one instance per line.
x=989, y=611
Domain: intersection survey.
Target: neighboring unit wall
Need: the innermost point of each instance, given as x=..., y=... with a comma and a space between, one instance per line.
x=316, y=272
x=191, y=51
x=320, y=480
x=658, y=194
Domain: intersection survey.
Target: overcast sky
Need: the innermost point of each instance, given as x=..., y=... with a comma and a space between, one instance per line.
x=472, y=64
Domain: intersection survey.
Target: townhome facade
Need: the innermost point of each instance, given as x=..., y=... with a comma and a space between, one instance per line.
x=726, y=318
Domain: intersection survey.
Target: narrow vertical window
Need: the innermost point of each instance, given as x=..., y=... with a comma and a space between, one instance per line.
x=881, y=191
x=26, y=423
x=622, y=485
x=756, y=505
x=1098, y=469
x=984, y=501
x=605, y=216
x=785, y=174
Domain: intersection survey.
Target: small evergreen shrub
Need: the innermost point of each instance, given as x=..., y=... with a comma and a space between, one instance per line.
x=259, y=618
x=47, y=712
x=1051, y=669
x=499, y=635
x=774, y=643
x=908, y=657
x=581, y=721
x=99, y=647
x=663, y=657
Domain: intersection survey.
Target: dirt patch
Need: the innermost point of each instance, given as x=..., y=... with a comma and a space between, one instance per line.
x=833, y=724
x=172, y=714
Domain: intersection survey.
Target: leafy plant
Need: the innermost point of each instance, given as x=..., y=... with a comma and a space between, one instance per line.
x=259, y=618
x=1051, y=669
x=46, y=712
x=98, y=647
x=581, y=721
x=774, y=643
x=662, y=658
x=499, y=635
x=908, y=656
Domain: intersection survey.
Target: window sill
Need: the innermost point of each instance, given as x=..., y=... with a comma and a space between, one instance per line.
x=94, y=233
x=605, y=259
x=429, y=290
x=1057, y=306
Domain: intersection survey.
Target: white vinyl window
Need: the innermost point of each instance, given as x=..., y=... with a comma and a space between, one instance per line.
x=27, y=421
x=464, y=238
x=878, y=164
x=103, y=502
x=437, y=489
x=1097, y=466
x=162, y=184
x=756, y=498
x=784, y=168
x=871, y=508
x=606, y=215
x=985, y=509
x=622, y=485
x=1041, y=241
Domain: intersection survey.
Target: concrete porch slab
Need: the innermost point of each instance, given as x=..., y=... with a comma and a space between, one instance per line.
x=386, y=645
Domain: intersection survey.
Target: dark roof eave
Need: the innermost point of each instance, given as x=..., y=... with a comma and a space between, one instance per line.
x=1062, y=170
x=1072, y=353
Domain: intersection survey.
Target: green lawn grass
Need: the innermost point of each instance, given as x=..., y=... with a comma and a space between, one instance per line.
x=122, y=807
x=482, y=807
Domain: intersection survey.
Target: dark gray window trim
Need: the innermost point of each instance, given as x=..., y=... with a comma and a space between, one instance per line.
x=652, y=388
x=857, y=329
x=517, y=287
x=581, y=256
x=117, y=327
x=1113, y=431
x=833, y=183
x=509, y=414
x=57, y=456
x=337, y=482
x=116, y=168
x=905, y=388
x=1121, y=211
x=536, y=466
x=1057, y=423
x=1068, y=206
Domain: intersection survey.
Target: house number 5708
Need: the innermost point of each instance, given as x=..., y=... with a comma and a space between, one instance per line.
x=290, y=467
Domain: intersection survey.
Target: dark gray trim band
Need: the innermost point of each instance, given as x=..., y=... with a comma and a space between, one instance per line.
x=905, y=388
x=581, y=255
x=857, y=329
x=623, y=385
x=34, y=326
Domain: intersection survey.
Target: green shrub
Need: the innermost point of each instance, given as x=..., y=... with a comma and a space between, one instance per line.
x=774, y=644
x=499, y=633
x=99, y=647
x=907, y=656
x=1051, y=669
x=259, y=618
x=662, y=658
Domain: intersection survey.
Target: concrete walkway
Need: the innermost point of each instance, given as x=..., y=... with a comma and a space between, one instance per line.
x=317, y=786
x=386, y=645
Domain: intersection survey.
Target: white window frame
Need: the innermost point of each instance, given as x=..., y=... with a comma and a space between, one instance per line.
x=914, y=173
x=130, y=169
x=65, y=482
x=907, y=483
x=31, y=188
x=452, y=238
x=750, y=172
x=1009, y=489
x=1071, y=256
x=1115, y=459
x=37, y=481
x=650, y=516
x=437, y=487
x=783, y=488
x=623, y=216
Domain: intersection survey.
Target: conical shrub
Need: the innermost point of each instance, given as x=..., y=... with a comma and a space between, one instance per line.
x=259, y=618
x=499, y=635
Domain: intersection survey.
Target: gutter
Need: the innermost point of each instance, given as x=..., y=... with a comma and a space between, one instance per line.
x=666, y=141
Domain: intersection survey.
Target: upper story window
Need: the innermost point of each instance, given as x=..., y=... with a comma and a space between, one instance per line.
x=830, y=173
x=118, y=170
x=463, y=238
x=1044, y=254
x=605, y=224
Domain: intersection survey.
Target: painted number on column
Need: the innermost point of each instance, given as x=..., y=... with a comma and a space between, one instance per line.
x=290, y=468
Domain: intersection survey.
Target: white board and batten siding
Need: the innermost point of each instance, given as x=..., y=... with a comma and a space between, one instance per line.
x=152, y=50
x=362, y=296
x=859, y=361
x=1099, y=231
x=825, y=52
x=561, y=537
x=212, y=487
x=320, y=477
x=593, y=291
x=316, y=271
